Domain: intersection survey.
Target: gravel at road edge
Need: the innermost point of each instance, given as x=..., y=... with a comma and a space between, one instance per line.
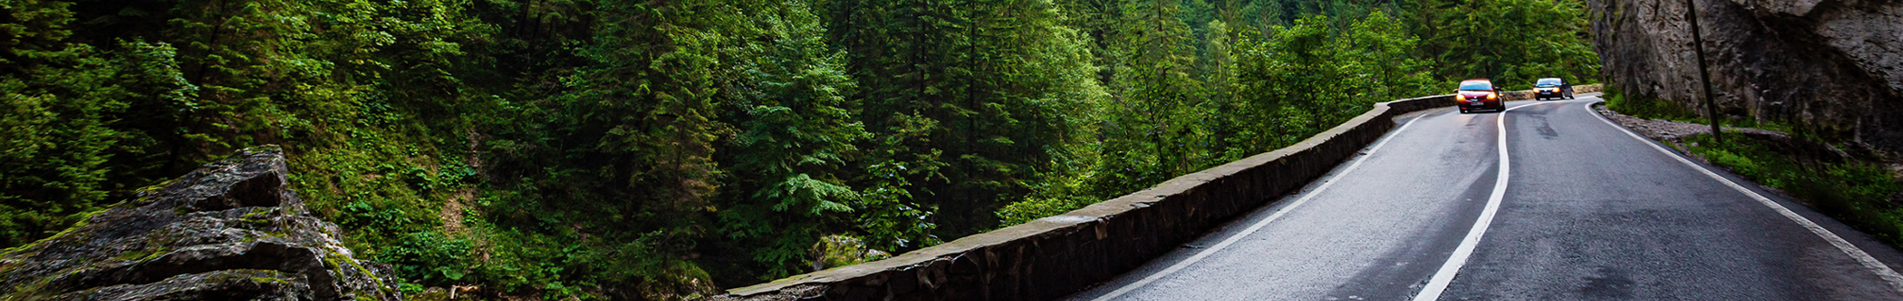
x=1667, y=130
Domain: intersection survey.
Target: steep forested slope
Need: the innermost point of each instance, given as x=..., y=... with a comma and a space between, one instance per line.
x=659, y=150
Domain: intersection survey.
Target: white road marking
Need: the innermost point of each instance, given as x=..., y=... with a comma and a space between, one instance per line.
x=1258, y=224
x=1447, y=271
x=1871, y=263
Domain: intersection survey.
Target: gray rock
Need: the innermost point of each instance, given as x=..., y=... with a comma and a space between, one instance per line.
x=227, y=231
x=1832, y=67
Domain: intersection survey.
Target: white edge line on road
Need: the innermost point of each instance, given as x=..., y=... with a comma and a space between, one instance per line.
x=1871, y=263
x=1447, y=271
x=1258, y=224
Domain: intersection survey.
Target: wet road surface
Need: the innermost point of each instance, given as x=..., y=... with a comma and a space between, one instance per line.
x=1588, y=212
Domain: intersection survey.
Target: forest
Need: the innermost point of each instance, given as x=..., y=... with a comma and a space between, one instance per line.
x=663, y=150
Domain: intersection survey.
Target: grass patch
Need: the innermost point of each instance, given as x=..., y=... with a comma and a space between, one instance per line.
x=1856, y=193
x=1646, y=106
x=1657, y=108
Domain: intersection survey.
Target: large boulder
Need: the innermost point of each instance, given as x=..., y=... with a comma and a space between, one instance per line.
x=227, y=231
x=1831, y=67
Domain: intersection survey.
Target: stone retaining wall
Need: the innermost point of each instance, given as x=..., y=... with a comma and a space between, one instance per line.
x=1060, y=255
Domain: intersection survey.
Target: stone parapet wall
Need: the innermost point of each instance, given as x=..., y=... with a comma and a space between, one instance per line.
x=1059, y=255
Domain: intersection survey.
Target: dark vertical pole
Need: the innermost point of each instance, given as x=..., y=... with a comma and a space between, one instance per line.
x=1704, y=76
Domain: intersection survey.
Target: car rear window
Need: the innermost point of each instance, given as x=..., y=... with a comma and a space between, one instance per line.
x=1476, y=86
x=1547, y=82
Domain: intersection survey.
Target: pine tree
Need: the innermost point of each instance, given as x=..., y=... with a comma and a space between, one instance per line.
x=1218, y=74
x=1151, y=129
x=1523, y=40
x=796, y=136
x=55, y=102
x=72, y=120
x=974, y=99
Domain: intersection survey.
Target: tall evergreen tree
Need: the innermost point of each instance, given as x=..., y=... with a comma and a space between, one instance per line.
x=1152, y=129
x=656, y=150
x=1219, y=75
x=796, y=136
x=57, y=101
x=984, y=90
x=1511, y=41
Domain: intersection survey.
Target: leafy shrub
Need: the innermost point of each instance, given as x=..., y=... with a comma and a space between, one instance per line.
x=1644, y=106
x=428, y=256
x=1856, y=193
x=842, y=250
x=1036, y=208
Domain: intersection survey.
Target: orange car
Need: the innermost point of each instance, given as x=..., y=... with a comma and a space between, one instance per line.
x=1478, y=94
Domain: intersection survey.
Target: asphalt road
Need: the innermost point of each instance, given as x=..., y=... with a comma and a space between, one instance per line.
x=1588, y=212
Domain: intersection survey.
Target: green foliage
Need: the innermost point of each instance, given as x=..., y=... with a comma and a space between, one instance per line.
x=1035, y=208
x=1253, y=76
x=1858, y=193
x=840, y=250
x=1512, y=42
x=1292, y=79
x=1375, y=52
x=796, y=135
x=1241, y=93
x=660, y=150
x=1645, y=107
x=428, y=256
x=972, y=102
x=70, y=135
x=57, y=142
x=887, y=213
x=1151, y=124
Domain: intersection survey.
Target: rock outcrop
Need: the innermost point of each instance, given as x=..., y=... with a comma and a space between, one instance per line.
x=1832, y=67
x=227, y=231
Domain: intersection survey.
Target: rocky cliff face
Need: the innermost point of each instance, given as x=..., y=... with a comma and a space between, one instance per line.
x=1834, y=67
x=228, y=231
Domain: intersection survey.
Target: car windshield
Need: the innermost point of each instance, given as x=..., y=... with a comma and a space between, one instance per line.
x=1547, y=82
x=1476, y=86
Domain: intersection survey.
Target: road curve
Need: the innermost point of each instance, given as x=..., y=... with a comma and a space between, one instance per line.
x=1589, y=212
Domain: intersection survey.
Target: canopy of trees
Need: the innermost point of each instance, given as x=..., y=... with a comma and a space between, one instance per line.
x=666, y=149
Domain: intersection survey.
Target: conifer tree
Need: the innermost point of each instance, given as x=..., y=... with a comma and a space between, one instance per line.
x=795, y=137
x=80, y=125
x=975, y=99
x=1218, y=74
x=594, y=149
x=1511, y=41
x=56, y=100
x=1151, y=129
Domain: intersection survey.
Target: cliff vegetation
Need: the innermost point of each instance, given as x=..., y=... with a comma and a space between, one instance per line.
x=659, y=150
